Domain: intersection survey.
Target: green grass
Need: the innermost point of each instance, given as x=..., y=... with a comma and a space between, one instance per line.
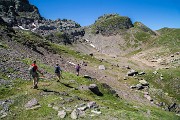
x=67, y=51
x=133, y=53
x=112, y=106
x=117, y=108
x=142, y=36
x=3, y=46
x=169, y=84
x=169, y=38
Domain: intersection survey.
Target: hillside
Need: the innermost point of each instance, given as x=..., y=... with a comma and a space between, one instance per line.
x=128, y=71
x=62, y=96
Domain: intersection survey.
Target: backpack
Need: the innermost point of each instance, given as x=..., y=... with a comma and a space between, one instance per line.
x=57, y=69
x=31, y=70
x=78, y=67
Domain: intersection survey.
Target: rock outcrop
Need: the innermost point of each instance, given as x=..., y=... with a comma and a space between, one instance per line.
x=20, y=14
x=110, y=24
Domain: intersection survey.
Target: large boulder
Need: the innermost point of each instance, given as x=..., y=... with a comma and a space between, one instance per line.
x=144, y=82
x=132, y=73
x=94, y=88
x=32, y=104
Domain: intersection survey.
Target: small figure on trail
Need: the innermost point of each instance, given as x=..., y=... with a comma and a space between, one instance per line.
x=34, y=73
x=77, y=69
x=58, y=72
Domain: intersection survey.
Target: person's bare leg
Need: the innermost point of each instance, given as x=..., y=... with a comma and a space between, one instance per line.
x=35, y=82
x=58, y=76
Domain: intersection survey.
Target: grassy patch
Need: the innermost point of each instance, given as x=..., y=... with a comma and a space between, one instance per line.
x=110, y=105
x=166, y=81
x=67, y=51
x=3, y=46
x=169, y=38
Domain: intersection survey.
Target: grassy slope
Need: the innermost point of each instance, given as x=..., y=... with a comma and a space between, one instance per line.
x=166, y=90
x=21, y=93
x=169, y=38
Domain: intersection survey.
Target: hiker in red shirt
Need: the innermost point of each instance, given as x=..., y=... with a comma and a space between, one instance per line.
x=35, y=75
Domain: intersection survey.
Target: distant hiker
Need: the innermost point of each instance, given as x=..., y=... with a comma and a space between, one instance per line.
x=77, y=69
x=34, y=73
x=58, y=72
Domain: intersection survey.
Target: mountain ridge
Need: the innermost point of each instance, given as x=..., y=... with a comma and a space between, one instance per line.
x=129, y=73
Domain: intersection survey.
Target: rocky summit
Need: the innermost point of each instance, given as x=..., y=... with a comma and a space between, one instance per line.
x=127, y=71
x=20, y=14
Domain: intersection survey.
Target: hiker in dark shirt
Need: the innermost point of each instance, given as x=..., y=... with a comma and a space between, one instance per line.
x=58, y=72
x=77, y=69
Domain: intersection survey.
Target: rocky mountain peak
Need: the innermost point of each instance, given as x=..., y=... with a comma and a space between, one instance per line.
x=109, y=24
x=18, y=8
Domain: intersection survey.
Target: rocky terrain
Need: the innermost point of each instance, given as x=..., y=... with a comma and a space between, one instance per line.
x=128, y=71
x=19, y=14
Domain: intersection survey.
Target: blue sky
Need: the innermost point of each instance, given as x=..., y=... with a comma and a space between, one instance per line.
x=155, y=14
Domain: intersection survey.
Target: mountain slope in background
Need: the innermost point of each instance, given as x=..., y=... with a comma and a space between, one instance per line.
x=128, y=71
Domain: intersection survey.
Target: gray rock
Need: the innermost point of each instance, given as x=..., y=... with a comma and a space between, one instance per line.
x=148, y=97
x=92, y=104
x=139, y=86
x=96, y=112
x=127, y=67
x=3, y=115
x=94, y=88
x=83, y=87
x=87, y=76
x=141, y=73
x=101, y=67
x=34, y=107
x=132, y=73
x=74, y=114
x=144, y=82
x=33, y=102
x=51, y=105
x=133, y=87
x=82, y=108
x=56, y=108
x=62, y=114
x=155, y=72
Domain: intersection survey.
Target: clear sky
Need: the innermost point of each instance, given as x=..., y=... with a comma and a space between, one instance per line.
x=155, y=14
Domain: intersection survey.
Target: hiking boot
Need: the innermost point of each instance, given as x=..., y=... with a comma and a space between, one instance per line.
x=35, y=87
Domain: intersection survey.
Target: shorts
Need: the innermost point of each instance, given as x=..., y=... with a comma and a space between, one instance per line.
x=58, y=74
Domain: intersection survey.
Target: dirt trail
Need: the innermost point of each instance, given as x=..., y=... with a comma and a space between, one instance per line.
x=109, y=76
x=115, y=72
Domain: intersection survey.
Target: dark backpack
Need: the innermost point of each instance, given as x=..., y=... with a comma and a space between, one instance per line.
x=31, y=69
x=57, y=69
x=78, y=67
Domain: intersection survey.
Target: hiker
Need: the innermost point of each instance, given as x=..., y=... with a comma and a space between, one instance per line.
x=58, y=72
x=77, y=69
x=34, y=73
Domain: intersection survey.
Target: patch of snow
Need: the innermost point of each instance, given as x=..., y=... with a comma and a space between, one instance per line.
x=86, y=40
x=33, y=29
x=71, y=63
x=34, y=24
x=22, y=28
x=92, y=45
